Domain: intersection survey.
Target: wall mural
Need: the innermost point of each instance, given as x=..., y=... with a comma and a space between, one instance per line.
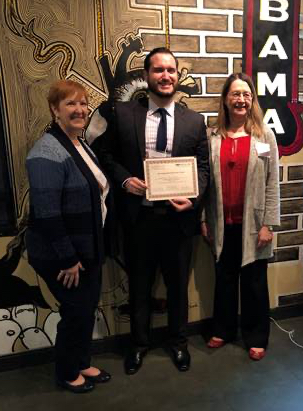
x=120, y=81
x=100, y=44
x=7, y=215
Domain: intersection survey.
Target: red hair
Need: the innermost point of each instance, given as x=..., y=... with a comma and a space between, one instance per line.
x=61, y=89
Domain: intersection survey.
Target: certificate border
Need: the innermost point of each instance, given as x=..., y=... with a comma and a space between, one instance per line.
x=191, y=159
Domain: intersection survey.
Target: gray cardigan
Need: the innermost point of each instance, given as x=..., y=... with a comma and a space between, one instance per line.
x=262, y=197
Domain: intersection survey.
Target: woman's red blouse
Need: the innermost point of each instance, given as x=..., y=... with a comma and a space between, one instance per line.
x=234, y=157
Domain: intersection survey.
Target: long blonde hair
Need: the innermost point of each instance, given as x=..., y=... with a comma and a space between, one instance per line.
x=254, y=121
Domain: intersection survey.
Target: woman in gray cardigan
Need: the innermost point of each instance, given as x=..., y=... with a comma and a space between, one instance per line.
x=69, y=214
x=243, y=207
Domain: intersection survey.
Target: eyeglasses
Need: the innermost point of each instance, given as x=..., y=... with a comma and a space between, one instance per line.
x=235, y=95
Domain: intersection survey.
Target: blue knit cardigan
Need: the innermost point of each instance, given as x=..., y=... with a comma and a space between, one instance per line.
x=65, y=222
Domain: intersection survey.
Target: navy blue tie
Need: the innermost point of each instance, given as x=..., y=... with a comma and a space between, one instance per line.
x=162, y=131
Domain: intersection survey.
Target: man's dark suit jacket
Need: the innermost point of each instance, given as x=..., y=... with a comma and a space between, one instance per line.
x=121, y=151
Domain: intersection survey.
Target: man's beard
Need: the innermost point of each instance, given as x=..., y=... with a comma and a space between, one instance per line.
x=161, y=94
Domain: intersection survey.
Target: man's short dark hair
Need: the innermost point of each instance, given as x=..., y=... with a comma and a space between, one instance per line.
x=162, y=50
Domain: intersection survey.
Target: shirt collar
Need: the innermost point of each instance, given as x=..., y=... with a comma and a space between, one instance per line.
x=152, y=107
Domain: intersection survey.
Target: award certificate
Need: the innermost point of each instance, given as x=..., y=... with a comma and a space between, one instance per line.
x=171, y=177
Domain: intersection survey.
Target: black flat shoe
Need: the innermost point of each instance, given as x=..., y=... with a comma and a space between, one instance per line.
x=133, y=361
x=104, y=376
x=87, y=386
x=181, y=358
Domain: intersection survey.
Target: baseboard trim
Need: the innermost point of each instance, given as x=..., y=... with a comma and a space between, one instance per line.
x=118, y=343
x=289, y=311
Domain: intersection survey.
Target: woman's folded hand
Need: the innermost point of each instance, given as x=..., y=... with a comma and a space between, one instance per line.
x=70, y=275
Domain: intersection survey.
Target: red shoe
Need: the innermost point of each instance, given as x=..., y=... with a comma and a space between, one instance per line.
x=214, y=343
x=256, y=355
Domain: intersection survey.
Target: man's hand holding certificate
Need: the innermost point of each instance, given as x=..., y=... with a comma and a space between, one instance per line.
x=171, y=177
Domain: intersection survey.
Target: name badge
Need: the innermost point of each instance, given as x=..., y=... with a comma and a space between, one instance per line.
x=263, y=149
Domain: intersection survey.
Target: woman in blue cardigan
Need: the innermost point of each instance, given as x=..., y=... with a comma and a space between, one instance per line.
x=69, y=214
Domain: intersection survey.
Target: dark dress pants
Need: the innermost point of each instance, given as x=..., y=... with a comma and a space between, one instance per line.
x=156, y=241
x=255, y=324
x=74, y=331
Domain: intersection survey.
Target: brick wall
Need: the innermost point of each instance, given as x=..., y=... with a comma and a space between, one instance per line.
x=207, y=38
x=289, y=238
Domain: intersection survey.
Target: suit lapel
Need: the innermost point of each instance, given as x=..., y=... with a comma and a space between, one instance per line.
x=140, y=121
x=63, y=139
x=178, y=129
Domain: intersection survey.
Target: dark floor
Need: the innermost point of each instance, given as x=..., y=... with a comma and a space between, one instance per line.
x=222, y=380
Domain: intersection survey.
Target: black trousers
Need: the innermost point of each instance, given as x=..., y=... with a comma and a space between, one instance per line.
x=254, y=294
x=74, y=331
x=156, y=240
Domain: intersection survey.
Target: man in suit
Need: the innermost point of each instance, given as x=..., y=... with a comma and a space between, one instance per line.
x=156, y=234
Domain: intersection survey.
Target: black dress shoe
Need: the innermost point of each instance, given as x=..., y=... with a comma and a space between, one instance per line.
x=133, y=361
x=86, y=386
x=181, y=358
x=104, y=376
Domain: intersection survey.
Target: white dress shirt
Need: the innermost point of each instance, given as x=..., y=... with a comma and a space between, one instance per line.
x=99, y=176
x=152, y=123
